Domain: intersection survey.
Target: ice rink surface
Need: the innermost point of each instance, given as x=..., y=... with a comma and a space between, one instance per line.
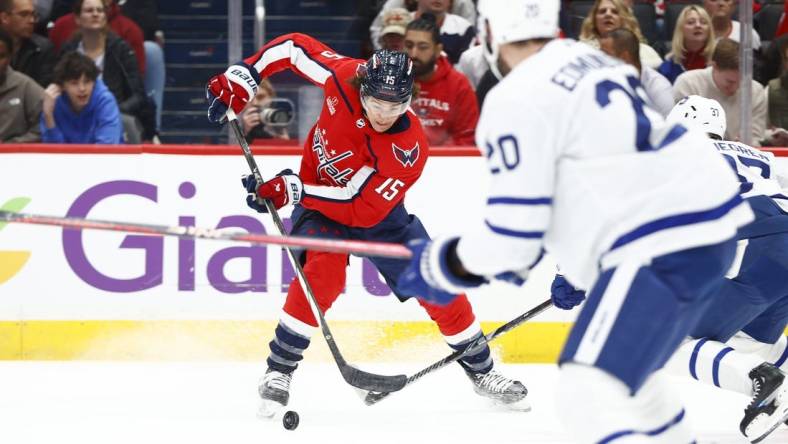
x=88, y=402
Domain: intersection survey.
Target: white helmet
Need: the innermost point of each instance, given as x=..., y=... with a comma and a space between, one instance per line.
x=505, y=21
x=699, y=112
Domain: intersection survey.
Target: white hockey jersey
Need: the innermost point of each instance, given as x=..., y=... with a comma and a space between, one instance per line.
x=582, y=167
x=759, y=174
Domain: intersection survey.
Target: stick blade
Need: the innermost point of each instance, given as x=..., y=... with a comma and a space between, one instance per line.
x=373, y=382
x=372, y=398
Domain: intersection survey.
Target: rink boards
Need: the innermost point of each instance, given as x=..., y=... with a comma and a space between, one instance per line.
x=102, y=295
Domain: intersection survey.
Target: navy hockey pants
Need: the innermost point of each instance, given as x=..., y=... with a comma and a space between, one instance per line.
x=756, y=299
x=636, y=315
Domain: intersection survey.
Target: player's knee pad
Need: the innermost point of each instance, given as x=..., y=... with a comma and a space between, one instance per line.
x=452, y=318
x=597, y=407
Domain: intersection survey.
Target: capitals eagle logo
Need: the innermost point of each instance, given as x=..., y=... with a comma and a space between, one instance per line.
x=406, y=157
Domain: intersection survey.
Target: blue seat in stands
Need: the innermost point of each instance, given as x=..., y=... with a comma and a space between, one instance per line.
x=311, y=7
x=194, y=7
x=196, y=49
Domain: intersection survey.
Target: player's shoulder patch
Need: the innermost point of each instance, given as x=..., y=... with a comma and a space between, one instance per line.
x=406, y=156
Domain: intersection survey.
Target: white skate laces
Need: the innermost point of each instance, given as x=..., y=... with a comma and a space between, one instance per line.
x=277, y=381
x=499, y=388
x=495, y=382
x=274, y=392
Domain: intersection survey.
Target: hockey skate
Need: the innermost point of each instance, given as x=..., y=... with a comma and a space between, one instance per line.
x=769, y=406
x=500, y=389
x=274, y=390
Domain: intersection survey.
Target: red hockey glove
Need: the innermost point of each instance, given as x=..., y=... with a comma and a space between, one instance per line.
x=285, y=189
x=233, y=89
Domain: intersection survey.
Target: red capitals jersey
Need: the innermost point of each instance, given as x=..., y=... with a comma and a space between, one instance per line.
x=352, y=174
x=447, y=106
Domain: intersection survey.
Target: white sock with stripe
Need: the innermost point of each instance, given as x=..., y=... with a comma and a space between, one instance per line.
x=716, y=364
x=776, y=353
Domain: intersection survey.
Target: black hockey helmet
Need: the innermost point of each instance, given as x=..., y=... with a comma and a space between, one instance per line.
x=389, y=76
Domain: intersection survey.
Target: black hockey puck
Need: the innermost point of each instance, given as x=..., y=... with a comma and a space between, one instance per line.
x=290, y=420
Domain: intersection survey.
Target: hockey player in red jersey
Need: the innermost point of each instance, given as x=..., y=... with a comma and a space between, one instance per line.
x=361, y=157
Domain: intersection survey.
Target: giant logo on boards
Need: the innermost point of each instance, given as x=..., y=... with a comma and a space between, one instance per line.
x=149, y=272
x=11, y=262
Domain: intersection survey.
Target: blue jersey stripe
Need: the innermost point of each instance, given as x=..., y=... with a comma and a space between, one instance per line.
x=503, y=200
x=677, y=220
x=515, y=233
x=715, y=368
x=694, y=358
x=779, y=362
x=658, y=431
x=675, y=132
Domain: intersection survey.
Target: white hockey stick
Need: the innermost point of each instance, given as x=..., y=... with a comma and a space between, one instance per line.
x=354, y=376
x=355, y=247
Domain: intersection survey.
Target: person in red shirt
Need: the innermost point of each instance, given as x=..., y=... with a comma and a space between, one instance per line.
x=446, y=103
x=124, y=27
x=782, y=27
x=360, y=158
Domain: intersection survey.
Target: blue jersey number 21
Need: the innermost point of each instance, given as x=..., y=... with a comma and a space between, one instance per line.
x=643, y=125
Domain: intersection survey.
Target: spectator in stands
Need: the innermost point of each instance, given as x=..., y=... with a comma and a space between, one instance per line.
x=252, y=119
x=721, y=82
x=486, y=83
x=692, y=45
x=721, y=13
x=392, y=36
x=78, y=107
x=777, y=102
x=118, y=66
x=782, y=27
x=145, y=13
x=607, y=15
x=463, y=8
x=65, y=27
x=456, y=32
x=446, y=104
x=33, y=55
x=20, y=100
x=772, y=60
x=624, y=44
x=473, y=65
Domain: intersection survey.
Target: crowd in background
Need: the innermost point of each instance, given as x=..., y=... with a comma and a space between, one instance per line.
x=48, y=94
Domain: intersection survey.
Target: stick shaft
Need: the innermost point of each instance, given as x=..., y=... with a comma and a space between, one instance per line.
x=352, y=375
x=358, y=248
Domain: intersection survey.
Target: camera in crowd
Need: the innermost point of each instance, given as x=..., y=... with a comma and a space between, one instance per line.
x=278, y=112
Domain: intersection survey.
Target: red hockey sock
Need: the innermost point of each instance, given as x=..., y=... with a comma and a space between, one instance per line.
x=452, y=318
x=325, y=273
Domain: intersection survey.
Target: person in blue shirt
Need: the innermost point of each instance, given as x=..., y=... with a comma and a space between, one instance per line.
x=78, y=107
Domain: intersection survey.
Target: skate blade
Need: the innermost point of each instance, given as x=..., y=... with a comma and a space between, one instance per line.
x=269, y=409
x=765, y=434
x=778, y=417
x=521, y=406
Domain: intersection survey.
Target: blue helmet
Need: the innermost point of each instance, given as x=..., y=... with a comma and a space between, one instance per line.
x=389, y=76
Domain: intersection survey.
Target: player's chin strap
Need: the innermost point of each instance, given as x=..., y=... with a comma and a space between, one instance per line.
x=374, y=396
x=353, y=376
